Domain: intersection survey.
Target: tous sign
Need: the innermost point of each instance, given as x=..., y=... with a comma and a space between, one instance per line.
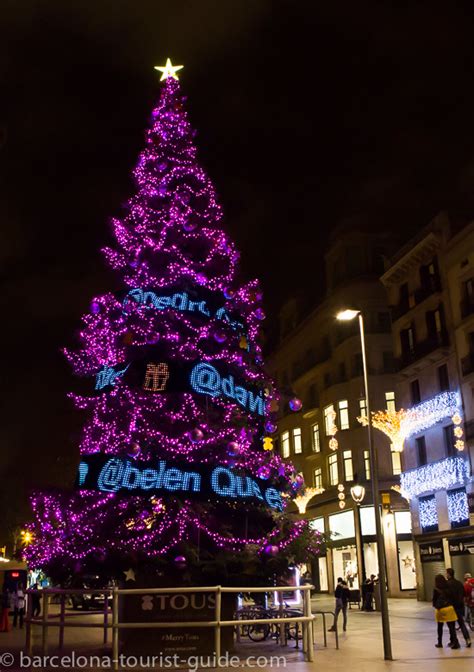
x=206, y=379
x=121, y=475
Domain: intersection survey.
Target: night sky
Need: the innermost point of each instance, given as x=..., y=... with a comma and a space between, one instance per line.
x=307, y=113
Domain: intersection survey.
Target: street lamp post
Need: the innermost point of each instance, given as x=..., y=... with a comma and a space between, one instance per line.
x=346, y=315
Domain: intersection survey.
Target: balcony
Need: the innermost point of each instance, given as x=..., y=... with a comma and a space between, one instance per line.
x=423, y=348
x=467, y=364
x=467, y=307
x=420, y=294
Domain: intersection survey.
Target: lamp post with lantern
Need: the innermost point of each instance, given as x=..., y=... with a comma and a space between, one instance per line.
x=345, y=316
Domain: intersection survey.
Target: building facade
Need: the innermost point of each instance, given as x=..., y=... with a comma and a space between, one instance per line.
x=319, y=360
x=430, y=288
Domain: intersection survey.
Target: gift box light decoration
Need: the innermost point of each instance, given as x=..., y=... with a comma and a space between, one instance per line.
x=181, y=295
x=439, y=475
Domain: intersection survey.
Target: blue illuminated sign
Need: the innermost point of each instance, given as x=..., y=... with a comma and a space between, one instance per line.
x=182, y=302
x=116, y=474
x=107, y=376
x=206, y=379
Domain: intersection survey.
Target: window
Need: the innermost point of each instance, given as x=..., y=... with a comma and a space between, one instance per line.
x=343, y=414
x=383, y=320
x=388, y=362
x=312, y=396
x=348, y=466
x=318, y=478
x=443, y=378
x=341, y=525
x=285, y=444
x=367, y=464
x=333, y=470
x=363, y=408
x=415, y=391
x=396, y=462
x=342, y=372
x=421, y=450
x=403, y=295
x=407, y=340
x=390, y=401
x=449, y=440
x=297, y=445
x=329, y=418
x=316, y=441
x=428, y=513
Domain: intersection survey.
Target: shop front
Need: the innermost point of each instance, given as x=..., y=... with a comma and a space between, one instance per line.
x=461, y=551
x=432, y=563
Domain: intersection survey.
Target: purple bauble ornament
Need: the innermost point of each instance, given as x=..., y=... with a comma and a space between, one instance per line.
x=270, y=549
x=180, y=560
x=270, y=427
x=263, y=472
x=189, y=225
x=260, y=314
x=153, y=338
x=163, y=165
x=295, y=404
x=95, y=307
x=196, y=435
x=220, y=336
x=229, y=293
x=233, y=448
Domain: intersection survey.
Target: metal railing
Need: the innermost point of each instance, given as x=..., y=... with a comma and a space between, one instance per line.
x=46, y=621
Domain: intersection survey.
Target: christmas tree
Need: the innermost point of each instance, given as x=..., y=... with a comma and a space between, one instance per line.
x=176, y=453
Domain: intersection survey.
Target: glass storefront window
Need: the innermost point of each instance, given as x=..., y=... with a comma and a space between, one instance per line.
x=341, y=525
x=345, y=565
x=403, y=522
x=367, y=520
x=317, y=524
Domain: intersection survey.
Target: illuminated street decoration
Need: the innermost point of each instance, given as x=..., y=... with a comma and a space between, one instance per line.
x=124, y=476
x=181, y=305
x=400, y=425
x=458, y=507
x=302, y=501
x=429, y=413
x=331, y=430
x=168, y=70
x=390, y=423
x=156, y=377
x=427, y=512
x=439, y=475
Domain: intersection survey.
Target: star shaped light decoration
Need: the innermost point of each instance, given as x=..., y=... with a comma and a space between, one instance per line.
x=168, y=70
x=130, y=575
x=407, y=561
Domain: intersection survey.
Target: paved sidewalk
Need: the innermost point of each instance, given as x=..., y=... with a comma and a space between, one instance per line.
x=413, y=638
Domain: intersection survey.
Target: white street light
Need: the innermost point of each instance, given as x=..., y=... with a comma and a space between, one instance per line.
x=357, y=493
x=346, y=315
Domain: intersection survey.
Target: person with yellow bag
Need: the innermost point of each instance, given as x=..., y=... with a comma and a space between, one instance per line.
x=445, y=612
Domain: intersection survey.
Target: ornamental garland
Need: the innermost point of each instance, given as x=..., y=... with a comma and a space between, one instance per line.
x=436, y=476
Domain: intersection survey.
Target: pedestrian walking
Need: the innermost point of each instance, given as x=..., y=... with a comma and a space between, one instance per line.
x=445, y=612
x=18, y=605
x=35, y=601
x=368, y=592
x=456, y=593
x=342, y=598
x=6, y=606
x=469, y=595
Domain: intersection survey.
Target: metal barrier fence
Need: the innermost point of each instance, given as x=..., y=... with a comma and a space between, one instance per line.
x=46, y=622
